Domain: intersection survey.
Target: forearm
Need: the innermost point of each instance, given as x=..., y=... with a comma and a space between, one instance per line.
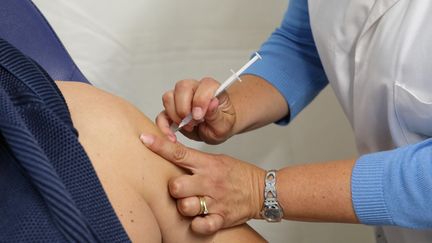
x=256, y=102
x=291, y=68
x=319, y=192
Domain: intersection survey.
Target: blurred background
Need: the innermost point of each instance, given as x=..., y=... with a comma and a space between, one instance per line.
x=138, y=49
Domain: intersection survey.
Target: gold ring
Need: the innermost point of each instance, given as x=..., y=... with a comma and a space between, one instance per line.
x=203, y=206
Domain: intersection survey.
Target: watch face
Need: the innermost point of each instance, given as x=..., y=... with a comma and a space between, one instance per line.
x=273, y=214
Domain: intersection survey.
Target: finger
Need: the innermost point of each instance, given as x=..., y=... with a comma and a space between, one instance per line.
x=208, y=224
x=214, y=103
x=191, y=125
x=183, y=94
x=164, y=123
x=191, y=206
x=203, y=95
x=176, y=153
x=218, y=106
x=219, y=121
x=212, y=112
x=188, y=186
x=170, y=108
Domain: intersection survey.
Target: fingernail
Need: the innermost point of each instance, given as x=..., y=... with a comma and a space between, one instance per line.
x=146, y=139
x=197, y=113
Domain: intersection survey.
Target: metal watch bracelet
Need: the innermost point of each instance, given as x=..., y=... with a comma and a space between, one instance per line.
x=271, y=211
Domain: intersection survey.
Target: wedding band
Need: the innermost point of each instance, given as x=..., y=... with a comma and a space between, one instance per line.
x=203, y=206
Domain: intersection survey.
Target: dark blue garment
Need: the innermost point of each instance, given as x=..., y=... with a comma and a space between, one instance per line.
x=49, y=191
x=22, y=25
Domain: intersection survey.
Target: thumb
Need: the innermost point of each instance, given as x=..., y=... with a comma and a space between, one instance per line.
x=174, y=152
x=219, y=108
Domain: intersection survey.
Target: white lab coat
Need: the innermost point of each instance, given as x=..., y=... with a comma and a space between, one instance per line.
x=376, y=54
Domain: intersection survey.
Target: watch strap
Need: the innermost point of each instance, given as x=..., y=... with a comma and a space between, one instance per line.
x=270, y=197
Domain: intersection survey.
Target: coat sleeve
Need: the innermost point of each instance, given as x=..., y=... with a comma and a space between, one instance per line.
x=290, y=60
x=395, y=187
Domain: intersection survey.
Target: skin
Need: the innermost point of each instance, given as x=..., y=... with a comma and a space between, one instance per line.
x=134, y=178
x=317, y=192
x=230, y=113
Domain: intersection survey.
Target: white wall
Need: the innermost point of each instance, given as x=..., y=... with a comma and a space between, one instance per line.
x=138, y=49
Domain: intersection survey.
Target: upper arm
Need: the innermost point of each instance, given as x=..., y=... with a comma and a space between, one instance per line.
x=135, y=179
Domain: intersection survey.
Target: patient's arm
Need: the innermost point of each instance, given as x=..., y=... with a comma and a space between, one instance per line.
x=134, y=178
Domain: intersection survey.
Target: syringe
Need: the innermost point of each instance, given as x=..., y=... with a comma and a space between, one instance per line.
x=235, y=76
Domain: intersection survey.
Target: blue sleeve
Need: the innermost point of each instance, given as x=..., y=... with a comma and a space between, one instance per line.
x=395, y=187
x=290, y=60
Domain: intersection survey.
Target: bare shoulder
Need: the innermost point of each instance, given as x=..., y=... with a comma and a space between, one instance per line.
x=109, y=128
x=134, y=178
x=94, y=106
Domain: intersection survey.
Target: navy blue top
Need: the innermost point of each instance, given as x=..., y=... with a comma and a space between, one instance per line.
x=49, y=189
x=22, y=25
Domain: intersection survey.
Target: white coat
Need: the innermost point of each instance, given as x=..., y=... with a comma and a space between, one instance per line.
x=377, y=56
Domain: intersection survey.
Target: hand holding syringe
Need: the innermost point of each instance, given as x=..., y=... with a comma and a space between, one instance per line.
x=235, y=76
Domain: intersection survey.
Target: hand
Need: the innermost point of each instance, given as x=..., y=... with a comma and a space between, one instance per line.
x=214, y=118
x=232, y=189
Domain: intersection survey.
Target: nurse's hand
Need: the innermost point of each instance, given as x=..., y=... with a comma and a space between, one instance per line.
x=214, y=118
x=232, y=189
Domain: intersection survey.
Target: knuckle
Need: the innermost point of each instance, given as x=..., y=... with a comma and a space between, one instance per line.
x=208, y=80
x=175, y=188
x=210, y=226
x=184, y=206
x=180, y=153
x=160, y=118
x=184, y=84
x=167, y=97
x=182, y=111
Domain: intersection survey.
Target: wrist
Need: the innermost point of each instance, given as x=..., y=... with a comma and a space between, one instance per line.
x=258, y=180
x=256, y=103
x=271, y=210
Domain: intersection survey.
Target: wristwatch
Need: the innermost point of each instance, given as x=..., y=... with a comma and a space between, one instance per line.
x=271, y=211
